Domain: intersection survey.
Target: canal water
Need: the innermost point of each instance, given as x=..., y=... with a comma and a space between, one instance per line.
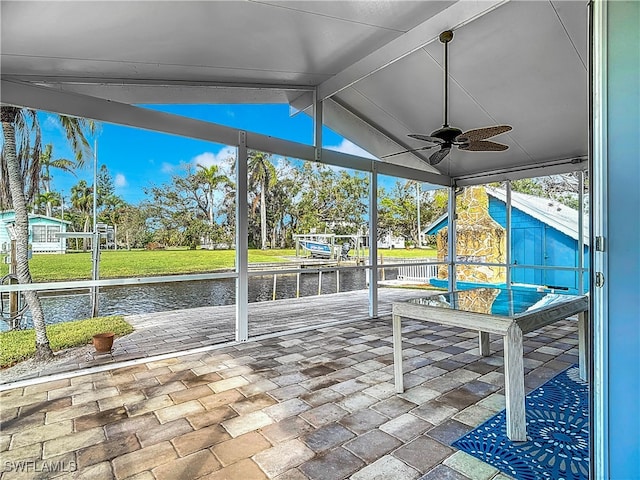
x=135, y=299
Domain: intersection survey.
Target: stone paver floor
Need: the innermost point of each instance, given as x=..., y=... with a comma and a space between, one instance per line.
x=164, y=333
x=312, y=405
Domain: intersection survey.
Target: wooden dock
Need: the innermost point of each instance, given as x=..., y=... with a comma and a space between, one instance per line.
x=172, y=331
x=296, y=262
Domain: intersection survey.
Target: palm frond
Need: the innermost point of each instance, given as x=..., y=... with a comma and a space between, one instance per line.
x=74, y=129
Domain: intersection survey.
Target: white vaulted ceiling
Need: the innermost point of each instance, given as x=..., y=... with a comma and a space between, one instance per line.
x=376, y=64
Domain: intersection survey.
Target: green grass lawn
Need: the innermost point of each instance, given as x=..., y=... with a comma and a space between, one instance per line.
x=141, y=263
x=407, y=253
x=18, y=345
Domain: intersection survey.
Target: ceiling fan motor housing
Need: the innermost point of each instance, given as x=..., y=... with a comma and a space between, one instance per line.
x=447, y=133
x=446, y=36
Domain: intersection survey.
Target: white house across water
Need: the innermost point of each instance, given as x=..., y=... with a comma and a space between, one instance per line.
x=43, y=232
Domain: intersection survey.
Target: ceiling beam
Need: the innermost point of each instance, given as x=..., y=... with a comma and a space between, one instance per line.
x=163, y=94
x=451, y=18
x=145, y=82
x=74, y=104
x=552, y=167
x=366, y=133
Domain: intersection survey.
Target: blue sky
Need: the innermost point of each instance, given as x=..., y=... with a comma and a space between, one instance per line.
x=138, y=158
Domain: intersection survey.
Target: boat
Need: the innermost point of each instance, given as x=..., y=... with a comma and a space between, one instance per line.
x=316, y=248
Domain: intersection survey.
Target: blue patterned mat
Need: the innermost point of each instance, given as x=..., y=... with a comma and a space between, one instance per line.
x=557, y=433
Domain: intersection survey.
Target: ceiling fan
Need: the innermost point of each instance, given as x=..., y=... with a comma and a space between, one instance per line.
x=448, y=137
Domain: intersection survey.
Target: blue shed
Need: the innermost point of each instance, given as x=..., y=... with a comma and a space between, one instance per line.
x=543, y=232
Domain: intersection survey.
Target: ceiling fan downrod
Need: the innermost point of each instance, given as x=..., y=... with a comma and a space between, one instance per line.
x=445, y=37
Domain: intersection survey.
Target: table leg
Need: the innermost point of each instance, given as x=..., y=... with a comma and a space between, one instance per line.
x=583, y=344
x=397, y=353
x=483, y=344
x=514, y=385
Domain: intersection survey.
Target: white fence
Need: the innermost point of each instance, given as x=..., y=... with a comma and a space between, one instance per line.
x=414, y=269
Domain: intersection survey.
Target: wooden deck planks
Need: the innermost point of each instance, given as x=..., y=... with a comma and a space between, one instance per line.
x=177, y=330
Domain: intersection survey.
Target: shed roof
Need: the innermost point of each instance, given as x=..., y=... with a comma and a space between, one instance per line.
x=548, y=211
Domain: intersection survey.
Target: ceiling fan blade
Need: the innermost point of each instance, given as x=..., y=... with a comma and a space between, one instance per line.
x=483, y=146
x=427, y=138
x=408, y=151
x=482, y=133
x=438, y=156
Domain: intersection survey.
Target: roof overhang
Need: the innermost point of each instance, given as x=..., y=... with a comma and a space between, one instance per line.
x=375, y=66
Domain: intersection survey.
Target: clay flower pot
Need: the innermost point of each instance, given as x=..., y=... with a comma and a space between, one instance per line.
x=103, y=342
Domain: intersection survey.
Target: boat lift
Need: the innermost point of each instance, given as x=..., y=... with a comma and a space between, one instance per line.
x=336, y=243
x=102, y=230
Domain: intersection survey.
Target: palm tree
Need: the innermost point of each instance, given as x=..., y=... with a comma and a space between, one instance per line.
x=82, y=201
x=26, y=141
x=113, y=208
x=414, y=184
x=262, y=174
x=212, y=178
x=47, y=162
x=48, y=199
x=20, y=162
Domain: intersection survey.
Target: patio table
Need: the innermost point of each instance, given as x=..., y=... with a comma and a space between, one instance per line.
x=507, y=312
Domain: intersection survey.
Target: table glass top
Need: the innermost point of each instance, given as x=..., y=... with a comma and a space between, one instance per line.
x=495, y=301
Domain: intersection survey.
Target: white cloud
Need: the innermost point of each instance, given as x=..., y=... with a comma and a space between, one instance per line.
x=120, y=180
x=349, y=147
x=207, y=159
x=167, y=167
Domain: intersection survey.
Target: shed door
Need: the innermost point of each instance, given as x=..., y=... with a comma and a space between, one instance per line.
x=527, y=250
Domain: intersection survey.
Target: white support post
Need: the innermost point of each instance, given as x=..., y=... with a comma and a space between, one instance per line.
x=95, y=240
x=451, y=234
x=242, y=242
x=508, y=235
x=95, y=271
x=275, y=283
x=95, y=185
x=418, y=197
x=373, y=242
x=397, y=353
x=581, y=232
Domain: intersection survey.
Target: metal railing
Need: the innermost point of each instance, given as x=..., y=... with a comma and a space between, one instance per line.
x=404, y=269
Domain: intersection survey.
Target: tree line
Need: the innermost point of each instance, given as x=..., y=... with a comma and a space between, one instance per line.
x=196, y=207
